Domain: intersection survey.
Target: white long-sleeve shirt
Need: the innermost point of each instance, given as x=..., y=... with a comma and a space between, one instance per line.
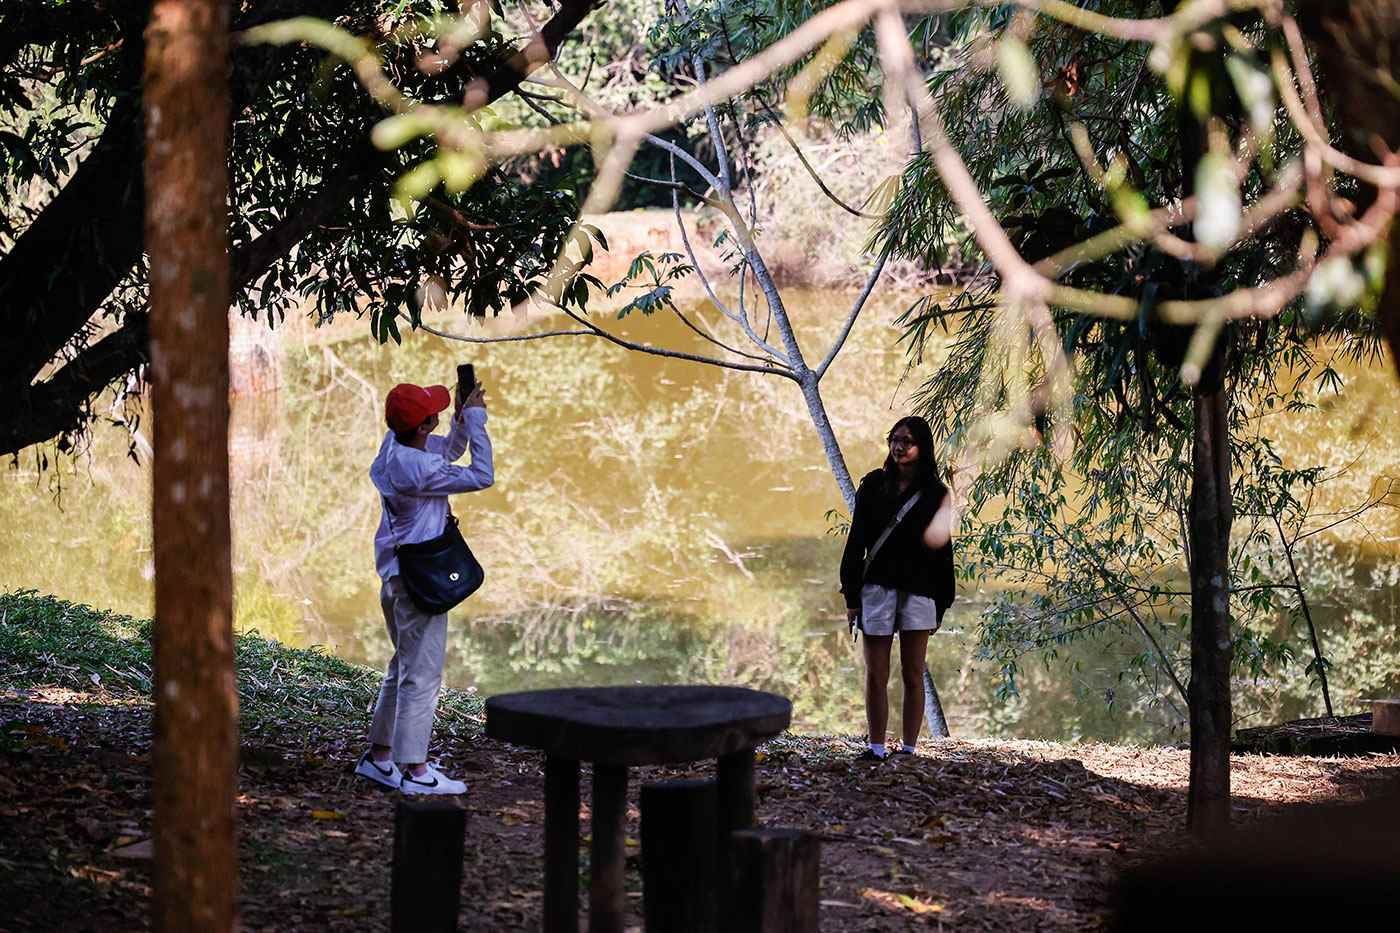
x=416, y=483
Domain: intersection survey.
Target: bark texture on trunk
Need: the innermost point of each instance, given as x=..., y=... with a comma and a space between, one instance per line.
x=1212, y=650
x=194, y=758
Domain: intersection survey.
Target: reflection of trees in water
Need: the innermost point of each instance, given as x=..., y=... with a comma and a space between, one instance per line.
x=615, y=482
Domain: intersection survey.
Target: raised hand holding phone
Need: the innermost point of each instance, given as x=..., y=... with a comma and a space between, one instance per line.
x=470, y=393
x=466, y=384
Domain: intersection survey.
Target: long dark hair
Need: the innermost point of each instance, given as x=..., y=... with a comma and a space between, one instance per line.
x=926, y=469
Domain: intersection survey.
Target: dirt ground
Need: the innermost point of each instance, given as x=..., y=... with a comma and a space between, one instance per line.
x=978, y=835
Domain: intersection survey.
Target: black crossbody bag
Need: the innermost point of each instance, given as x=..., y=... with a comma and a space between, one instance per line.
x=875, y=549
x=438, y=573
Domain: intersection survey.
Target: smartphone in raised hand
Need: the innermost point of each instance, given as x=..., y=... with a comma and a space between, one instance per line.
x=466, y=382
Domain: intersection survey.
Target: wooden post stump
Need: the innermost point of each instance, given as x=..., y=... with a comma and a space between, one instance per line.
x=775, y=881
x=561, y=845
x=736, y=799
x=679, y=892
x=426, y=886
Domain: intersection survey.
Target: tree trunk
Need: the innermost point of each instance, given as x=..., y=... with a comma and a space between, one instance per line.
x=1208, y=799
x=812, y=395
x=194, y=757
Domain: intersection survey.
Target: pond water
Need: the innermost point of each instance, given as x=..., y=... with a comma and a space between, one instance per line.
x=653, y=521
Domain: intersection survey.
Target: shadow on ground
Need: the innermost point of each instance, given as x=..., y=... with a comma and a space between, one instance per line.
x=979, y=834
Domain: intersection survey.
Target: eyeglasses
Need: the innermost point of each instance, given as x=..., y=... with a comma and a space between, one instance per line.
x=902, y=440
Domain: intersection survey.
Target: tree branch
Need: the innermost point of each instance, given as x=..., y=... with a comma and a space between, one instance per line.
x=678, y=354
x=874, y=276
x=513, y=338
x=740, y=318
x=259, y=254
x=811, y=170
x=57, y=406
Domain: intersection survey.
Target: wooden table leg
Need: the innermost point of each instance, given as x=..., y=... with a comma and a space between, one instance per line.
x=736, y=791
x=560, y=845
x=607, y=897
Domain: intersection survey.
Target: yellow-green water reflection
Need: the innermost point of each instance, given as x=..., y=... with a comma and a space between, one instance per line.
x=652, y=520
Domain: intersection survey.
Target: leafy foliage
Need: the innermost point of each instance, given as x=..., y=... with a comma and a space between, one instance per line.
x=1095, y=543
x=300, y=155
x=1098, y=543
x=651, y=275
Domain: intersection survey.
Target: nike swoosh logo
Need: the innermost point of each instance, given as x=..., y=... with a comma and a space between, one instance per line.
x=384, y=771
x=432, y=783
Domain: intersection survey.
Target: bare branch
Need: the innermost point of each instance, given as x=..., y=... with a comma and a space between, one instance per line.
x=875, y=272
x=678, y=354
x=740, y=318
x=856, y=306
x=512, y=338
x=592, y=330
x=811, y=170
x=711, y=119
x=690, y=160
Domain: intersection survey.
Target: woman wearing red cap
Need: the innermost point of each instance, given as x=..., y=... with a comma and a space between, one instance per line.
x=414, y=474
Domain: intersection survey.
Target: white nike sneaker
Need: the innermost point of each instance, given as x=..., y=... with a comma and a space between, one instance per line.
x=388, y=776
x=431, y=781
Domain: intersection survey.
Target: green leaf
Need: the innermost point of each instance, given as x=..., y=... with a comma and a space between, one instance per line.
x=585, y=248
x=1018, y=72
x=460, y=169
x=597, y=235
x=415, y=184
x=1219, y=209
x=395, y=131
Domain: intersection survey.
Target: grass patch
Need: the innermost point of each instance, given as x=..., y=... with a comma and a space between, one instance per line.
x=45, y=641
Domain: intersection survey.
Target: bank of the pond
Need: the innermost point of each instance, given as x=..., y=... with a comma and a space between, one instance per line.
x=283, y=693
x=982, y=834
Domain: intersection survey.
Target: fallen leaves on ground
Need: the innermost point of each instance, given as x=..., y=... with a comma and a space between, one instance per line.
x=982, y=835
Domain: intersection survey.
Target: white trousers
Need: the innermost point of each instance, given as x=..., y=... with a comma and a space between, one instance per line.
x=403, y=714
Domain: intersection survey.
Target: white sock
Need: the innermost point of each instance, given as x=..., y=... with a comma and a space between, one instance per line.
x=905, y=746
x=877, y=749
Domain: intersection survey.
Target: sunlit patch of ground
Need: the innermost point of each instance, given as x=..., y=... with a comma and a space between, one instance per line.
x=969, y=834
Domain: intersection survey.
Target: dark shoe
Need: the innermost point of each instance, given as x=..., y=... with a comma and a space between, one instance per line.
x=869, y=755
x=901, y=751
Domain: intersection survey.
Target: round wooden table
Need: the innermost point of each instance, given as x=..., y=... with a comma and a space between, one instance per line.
x=615, y=728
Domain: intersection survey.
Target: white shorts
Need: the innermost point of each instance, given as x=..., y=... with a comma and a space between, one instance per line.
x=884, y=611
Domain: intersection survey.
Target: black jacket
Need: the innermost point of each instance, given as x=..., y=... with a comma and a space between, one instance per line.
x=904, y=563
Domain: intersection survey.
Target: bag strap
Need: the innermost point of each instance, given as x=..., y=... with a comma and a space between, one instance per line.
x=889, y=530
x=389, y=519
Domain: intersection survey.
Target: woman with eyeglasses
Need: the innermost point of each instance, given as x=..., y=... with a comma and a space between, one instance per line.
x=897, y=574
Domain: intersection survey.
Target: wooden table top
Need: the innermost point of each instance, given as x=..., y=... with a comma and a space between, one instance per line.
x=638, y=725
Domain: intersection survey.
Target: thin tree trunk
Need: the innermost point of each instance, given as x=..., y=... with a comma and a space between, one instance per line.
x=1208, y=798
x=194, y=758
x=812, y=395
x=1319, y=662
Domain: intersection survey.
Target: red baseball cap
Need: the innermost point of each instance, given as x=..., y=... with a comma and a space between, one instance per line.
x=409, y=405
